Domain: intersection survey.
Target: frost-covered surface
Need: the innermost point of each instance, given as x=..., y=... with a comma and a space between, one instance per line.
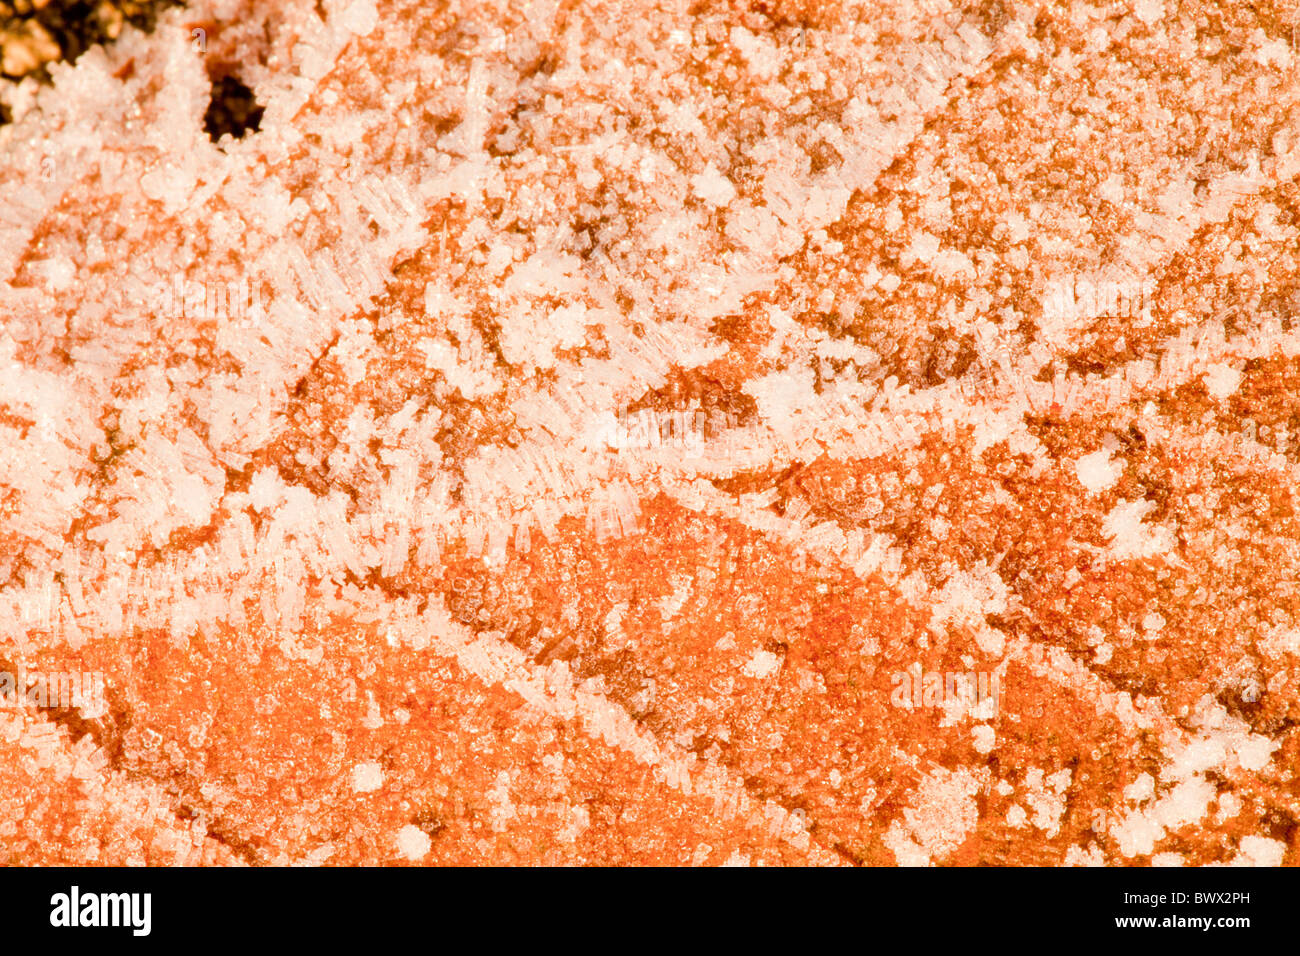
x=548, y=437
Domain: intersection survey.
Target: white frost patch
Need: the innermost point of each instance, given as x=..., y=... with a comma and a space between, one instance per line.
x=579, y=819
x=1187, y=803
x=967, y=598
x=413, y=843
x=1077, y=856
x=781, y=396
x=367, y=777
x=669, y=606
x=1224, y=741
x=943, y=813
x=1143, y=788
x=1229, y=807
x=1281, y=640
x=1260, y=851
x=1149, y=11
x=1098, y=471
x=1270, y=53
x=1129, y=537
x=360, y=17
x=1138, y=832
x=1046, y=797
x=923, y=248
x=1221, y=380
x=985, y=738
x=713, y=187
x=1111, y=188
x=762, y=665
x=1254, y=752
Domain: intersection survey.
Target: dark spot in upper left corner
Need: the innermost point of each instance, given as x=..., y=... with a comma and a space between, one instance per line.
x=37, y=34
